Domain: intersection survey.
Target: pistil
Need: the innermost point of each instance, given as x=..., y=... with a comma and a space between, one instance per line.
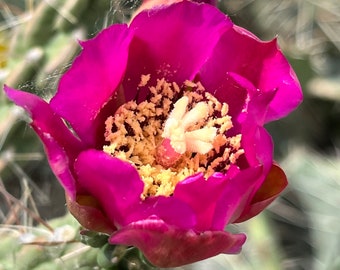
x=178, y=138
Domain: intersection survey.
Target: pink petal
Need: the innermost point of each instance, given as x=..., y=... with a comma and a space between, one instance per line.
x=277, y=74
x=234, y=197
x=258, y=147
x=242, y=186
x=232, y=89
x=114, y=183
x=61, y=146
x=170, y=209
x=257, y=144
x=172, y=42
x=117, y=186
x=92, y=81
x=167, y=246
x=262, y=63
x=202, y=195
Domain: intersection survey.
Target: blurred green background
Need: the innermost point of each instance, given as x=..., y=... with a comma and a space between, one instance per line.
x=300, y=230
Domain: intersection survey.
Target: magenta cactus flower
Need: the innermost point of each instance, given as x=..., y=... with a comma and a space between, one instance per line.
x=164, y=144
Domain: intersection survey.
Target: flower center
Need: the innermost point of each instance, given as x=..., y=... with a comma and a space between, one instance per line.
x=176, y=132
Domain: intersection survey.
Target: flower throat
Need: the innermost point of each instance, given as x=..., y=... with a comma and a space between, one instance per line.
x=176, y=132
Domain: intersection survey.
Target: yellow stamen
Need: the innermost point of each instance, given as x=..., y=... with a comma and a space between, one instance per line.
x=176, y=132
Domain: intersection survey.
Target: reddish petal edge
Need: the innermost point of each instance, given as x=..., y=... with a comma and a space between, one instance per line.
x=167, y=246
x=86, y=210
x=274, y=184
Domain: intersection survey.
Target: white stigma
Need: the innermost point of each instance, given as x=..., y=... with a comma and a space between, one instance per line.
x=180, y=120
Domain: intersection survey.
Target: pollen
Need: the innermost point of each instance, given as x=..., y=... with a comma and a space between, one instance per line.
x=175, y=132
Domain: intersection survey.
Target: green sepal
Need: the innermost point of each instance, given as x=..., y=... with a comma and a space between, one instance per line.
x=110, y=255
x=93, y=239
